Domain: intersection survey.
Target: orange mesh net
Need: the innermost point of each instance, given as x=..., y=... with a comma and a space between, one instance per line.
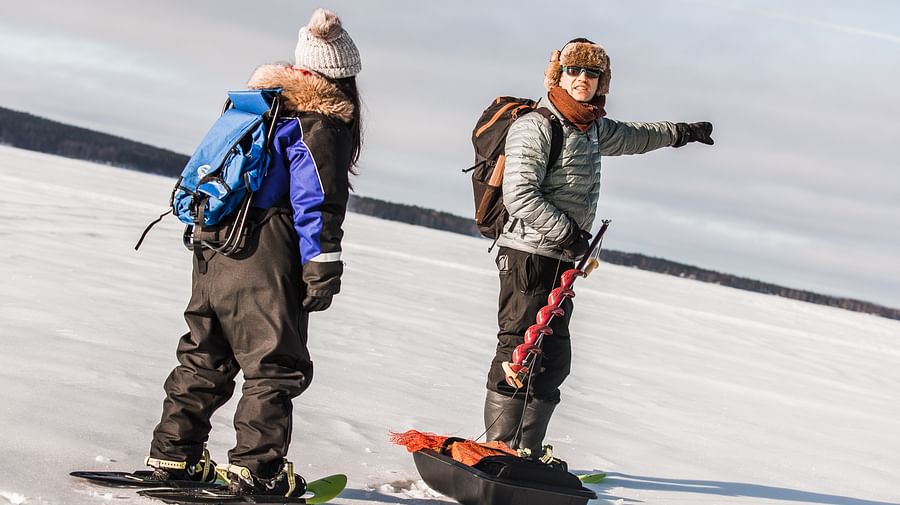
x=467, y=452
x=418, y=440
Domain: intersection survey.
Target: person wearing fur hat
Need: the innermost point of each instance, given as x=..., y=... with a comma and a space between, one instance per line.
x=551, y=210
x=249, y=313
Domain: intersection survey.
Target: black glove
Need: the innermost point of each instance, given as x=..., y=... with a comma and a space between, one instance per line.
x=577, y=243
x=316, y=303
x=693, y=132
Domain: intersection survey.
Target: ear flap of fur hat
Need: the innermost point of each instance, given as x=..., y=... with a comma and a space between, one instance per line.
x=553, y=71
x=579, y=54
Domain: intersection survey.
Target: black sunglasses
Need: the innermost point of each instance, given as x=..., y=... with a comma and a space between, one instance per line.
x=576, y=71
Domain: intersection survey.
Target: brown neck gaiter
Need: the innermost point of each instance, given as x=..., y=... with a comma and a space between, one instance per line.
x=580, y=114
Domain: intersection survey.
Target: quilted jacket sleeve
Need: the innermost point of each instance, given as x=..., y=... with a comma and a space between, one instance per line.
x=527, y=154
x=619, y=137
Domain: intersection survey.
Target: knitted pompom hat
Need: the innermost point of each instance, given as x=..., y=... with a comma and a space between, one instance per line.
x=579, y=53
x=325, y=47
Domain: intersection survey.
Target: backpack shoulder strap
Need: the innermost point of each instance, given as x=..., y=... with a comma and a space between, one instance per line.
x=556, y=135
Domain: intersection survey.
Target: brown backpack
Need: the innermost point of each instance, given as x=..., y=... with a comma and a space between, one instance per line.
x=489, y=140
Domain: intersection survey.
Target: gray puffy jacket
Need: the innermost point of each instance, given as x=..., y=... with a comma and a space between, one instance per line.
x=544, y=204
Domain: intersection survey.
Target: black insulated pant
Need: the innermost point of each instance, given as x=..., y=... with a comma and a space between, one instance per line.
x=525, y=281
x=244, y=314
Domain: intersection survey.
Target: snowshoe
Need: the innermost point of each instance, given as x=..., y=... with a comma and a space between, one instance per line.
x=317, y=491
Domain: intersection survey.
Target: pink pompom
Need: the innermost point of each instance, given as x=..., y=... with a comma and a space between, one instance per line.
x=324, y=25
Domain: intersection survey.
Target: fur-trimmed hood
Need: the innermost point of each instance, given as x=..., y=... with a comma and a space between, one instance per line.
x=303, y=91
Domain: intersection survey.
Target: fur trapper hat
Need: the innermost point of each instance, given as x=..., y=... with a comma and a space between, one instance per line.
x=579, y=53
x=325, y=47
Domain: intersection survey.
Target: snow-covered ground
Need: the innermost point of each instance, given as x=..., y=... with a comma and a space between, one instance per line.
x=684, y=392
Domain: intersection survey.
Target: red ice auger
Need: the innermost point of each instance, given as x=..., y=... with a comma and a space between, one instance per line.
x=525, y=354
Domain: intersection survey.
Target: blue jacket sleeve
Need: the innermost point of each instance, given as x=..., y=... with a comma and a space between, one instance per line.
x=319, y=190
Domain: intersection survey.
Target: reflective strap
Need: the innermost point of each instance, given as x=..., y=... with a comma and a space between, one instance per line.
x=242, y=472
x=292, y=480
x=222, y=474
x=164, y=463
x=206, y=464
x=326, y=257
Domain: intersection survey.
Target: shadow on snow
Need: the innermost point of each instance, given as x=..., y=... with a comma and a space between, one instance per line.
x=735, y=489
x=377, y=496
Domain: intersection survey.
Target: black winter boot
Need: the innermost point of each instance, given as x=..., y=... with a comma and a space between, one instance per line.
x=201, y=471
x=285, y=483
x=534, y=425
x=502, y=415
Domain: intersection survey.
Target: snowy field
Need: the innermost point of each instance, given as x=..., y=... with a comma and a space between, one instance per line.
x=684, y=392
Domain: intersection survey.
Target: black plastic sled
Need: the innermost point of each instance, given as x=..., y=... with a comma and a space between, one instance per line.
x=471, y=486
x=140, y=478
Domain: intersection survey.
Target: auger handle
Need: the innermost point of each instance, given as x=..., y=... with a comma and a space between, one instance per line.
x=594, y=244
x=585, y=266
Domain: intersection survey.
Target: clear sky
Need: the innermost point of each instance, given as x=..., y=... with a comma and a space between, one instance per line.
x=802, y=187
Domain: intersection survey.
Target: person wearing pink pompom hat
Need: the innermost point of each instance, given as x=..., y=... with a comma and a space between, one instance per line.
x=250, y=312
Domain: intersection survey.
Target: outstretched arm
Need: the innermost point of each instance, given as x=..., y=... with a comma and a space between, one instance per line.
x=620, y=137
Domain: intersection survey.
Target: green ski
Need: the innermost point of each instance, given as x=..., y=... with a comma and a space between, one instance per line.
x=326, y=488
x=317, y=491
x=592, y=478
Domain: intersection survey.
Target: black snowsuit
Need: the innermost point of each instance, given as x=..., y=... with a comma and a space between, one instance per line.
x=245, y=312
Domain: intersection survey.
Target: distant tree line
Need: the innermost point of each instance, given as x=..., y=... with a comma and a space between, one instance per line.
x=26, y=131
x=412, y=214
x=34, y=133
x=691, y=272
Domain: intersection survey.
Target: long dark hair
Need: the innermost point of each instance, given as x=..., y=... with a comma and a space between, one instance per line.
x=347, y=85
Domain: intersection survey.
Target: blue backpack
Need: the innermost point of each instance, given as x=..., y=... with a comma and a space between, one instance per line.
x=226, y=168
